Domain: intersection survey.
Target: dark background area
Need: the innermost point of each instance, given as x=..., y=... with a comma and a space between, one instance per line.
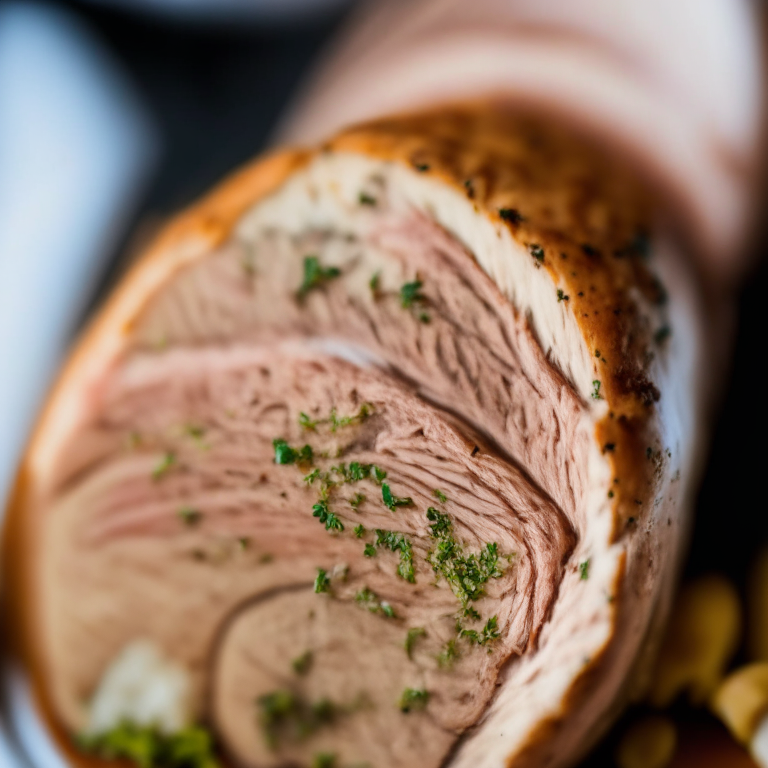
x=216, y=93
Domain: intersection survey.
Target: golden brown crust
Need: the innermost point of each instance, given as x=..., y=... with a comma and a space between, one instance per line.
x=589, y=218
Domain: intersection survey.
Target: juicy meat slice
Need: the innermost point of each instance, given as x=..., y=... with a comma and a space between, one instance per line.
x=152, y=547
x=417, y=389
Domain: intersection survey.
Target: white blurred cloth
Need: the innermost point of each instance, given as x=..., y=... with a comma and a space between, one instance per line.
x=75, y=147
x=679, y=85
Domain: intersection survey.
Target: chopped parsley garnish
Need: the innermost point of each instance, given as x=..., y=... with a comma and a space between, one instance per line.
x=369, y=550
x=512, y=215
x=329, y=519
x=414, y=633
x=440, y=496
x=536, y=251
x=596, y=390
x=421, y=167
x=379, y=475
x=190, y=516
x=284, y=454
x=356, y=501
x=148, y=747
x=410, y=294
x=337, y=422
x=413, y=699
x=448, y=655
x=360, y=531
x=561, y=296
x=312, y=476
x=322, y=581
x=487, y=634
x=368, y=599
x=365, y=199
x=285, y=716
x=164, y=465
x=302, y=664
x=442, y=526
x=315, y=275
x=375, y=282
x=391, y=501
x=305, y=422
x=324, y=760
x=358, y=471
x=465, y=574
x=396, y=542
x=584, y=570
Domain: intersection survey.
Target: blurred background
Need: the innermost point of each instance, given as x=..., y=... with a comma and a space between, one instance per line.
x=116, y=113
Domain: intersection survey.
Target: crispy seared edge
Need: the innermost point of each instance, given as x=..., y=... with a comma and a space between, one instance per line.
x=579, y=207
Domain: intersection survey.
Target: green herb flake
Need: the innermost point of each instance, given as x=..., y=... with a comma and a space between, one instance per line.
x=147, y=747
x=369, y=550
x=329, y=519
x=396, y=542
x=360, y=531
x=284, y=454
x=414, y=633
x=368, y=599
x=487, y=634
x=337, y=422
x=365, y=199
x=307, y=423
x=310, y=478
x=465, y=574
x=166, y=463
x=302, y=664
x=584, y=569
x=190, y=516
x=561, y=296
x=285, y=716
x=391, y=501
x=512, y=215
x=536, y=251
x=596, y=390
x=375, y=283
x=315, y=275
x=413, y=700
x=442, y=525
x=356, y=501
x=440, y=496
x=322, y=581
x=379, y=475
x=324, y=760
x=410, y=294
x=448, y=655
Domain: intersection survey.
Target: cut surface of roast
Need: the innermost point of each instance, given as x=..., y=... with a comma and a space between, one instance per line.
x=384, y=449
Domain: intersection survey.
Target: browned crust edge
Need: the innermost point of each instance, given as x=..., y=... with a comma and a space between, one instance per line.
x=501, y=161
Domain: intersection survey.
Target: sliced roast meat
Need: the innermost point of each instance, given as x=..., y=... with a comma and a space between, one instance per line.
x=385, y=448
